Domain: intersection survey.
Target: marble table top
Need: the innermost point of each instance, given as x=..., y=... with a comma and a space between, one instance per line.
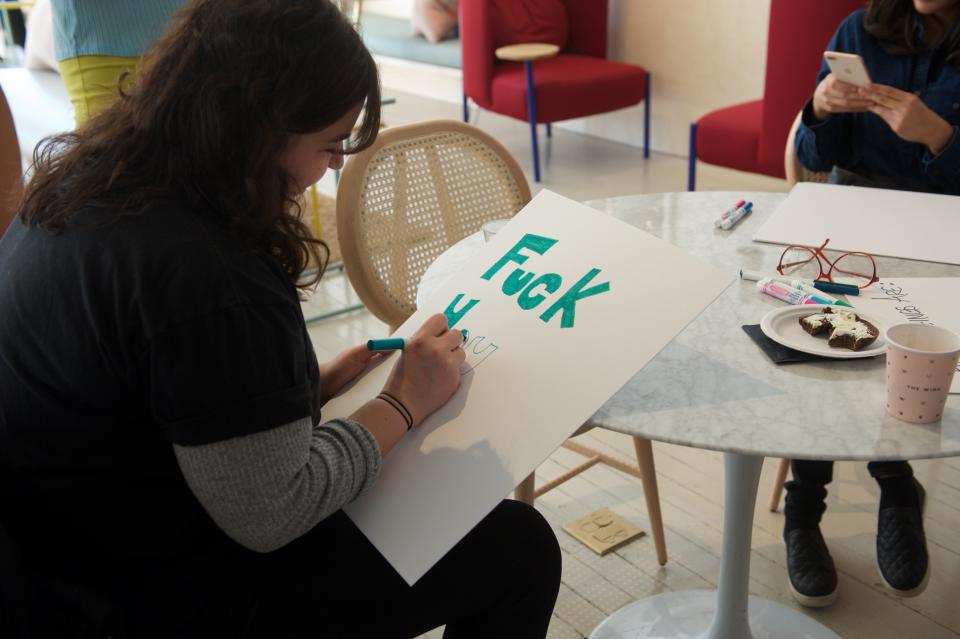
x=712, y=387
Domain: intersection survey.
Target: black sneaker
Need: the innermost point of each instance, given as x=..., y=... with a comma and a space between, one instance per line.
x=813, y=577
x=902, y=547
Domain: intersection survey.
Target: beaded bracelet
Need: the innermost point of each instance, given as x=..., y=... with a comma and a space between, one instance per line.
x=398, y=405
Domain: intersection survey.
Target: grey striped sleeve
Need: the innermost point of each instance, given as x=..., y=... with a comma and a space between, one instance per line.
x=266, y=489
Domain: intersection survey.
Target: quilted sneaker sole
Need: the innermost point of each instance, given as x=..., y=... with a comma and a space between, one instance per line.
x=913, y=592
x=807, y=601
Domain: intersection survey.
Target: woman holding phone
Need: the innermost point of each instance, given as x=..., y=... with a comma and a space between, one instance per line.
x=164, y=469
x=899, y=131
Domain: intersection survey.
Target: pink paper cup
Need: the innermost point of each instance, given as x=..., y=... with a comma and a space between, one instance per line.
x=921, y=360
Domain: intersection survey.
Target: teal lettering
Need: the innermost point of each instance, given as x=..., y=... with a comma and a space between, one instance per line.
x=535, y=243
x=454, y=315
x=516, y=281
x=568, y=302
x=550, y=282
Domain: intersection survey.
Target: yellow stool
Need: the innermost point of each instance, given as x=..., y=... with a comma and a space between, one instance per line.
x=92, y=82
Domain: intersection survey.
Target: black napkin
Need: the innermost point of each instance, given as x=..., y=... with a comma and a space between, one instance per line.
x=777, y=352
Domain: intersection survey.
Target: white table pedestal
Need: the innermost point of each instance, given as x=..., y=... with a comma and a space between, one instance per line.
x=728, y=613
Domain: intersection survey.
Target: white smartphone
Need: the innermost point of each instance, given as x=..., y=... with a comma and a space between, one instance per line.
x=848, y=67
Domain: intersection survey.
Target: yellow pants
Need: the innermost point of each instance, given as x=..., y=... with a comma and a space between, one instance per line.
x=91, y=82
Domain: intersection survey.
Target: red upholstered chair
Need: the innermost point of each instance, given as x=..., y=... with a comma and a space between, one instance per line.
x=750, y=136
x=577, y=82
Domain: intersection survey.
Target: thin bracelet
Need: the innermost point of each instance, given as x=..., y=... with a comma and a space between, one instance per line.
x=400, y=405
x=397, y=406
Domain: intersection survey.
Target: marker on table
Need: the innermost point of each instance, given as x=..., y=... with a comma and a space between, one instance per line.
x=818, y=296
x=795, y=292
x=736, y=216
x=826, y=287
x=753, y=276
x=835, y=287
x=717, y=222
x=397, y=343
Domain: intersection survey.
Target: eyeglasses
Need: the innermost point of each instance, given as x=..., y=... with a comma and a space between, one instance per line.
x=852, y=267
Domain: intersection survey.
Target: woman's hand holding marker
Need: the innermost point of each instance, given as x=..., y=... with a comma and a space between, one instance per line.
x=428, y=372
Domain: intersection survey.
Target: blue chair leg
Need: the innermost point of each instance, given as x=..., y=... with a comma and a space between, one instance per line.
x=549, y=130
x=466, y=110
x=532, y=114
x=692, y=161
x=646, y=118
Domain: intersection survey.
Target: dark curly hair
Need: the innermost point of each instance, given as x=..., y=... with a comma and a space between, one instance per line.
x=891, y=23
x=217, y=98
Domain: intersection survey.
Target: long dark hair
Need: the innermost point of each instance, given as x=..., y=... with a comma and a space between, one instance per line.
x=217, y=97
x=891, y=23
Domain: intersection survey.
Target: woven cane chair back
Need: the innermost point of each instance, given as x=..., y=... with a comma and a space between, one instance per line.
x=795, y=171
x=416, y=192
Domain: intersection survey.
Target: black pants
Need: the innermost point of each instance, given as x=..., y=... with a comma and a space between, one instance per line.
x=501, y=580
x=804, y=504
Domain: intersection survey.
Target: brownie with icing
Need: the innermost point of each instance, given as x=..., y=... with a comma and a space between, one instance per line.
x=843, y=328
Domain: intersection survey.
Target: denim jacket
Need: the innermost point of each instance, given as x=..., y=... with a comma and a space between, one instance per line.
x=862, y=142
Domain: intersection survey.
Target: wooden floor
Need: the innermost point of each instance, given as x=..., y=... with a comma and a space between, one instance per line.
x=691, y=480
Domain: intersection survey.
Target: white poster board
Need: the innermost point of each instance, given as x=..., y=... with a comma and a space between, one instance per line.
x=537, y=368
x=919, y=300
x=916, y=226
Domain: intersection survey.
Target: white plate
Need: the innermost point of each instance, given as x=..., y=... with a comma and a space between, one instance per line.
x=782, y=325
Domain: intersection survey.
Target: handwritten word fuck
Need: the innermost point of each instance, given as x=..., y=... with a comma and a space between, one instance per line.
x=533, y=290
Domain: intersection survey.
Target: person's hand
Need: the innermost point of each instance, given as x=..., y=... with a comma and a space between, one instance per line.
x=428, y=372
x=342, y=370
x=908, y=117
x=836, y=96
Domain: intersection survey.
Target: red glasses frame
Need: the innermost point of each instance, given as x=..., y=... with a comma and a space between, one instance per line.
x=817, y=254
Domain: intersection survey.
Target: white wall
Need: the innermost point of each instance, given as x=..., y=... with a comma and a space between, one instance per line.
x=702, y=55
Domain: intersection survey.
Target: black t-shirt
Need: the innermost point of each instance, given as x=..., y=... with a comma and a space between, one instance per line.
x=119, y=336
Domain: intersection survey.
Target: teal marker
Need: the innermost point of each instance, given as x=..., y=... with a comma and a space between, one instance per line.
x=816, y=294
x=836, y=287
x=397, y=343
x=387, y=344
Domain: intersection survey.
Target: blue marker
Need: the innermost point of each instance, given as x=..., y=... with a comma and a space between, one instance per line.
x=834, y=287
x=397, y=343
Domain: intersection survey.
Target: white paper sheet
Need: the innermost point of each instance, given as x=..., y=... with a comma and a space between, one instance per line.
x=920, y=300
x=530, y=382
x=918, y=226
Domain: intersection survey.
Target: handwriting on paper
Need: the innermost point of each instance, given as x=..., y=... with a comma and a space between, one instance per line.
x=895, y=293
x=478, y=348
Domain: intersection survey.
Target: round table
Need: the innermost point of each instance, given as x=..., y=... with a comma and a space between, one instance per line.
x=713, y=388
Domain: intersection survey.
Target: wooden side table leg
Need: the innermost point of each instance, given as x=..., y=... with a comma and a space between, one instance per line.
x=525, y=490
x=648, y=476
